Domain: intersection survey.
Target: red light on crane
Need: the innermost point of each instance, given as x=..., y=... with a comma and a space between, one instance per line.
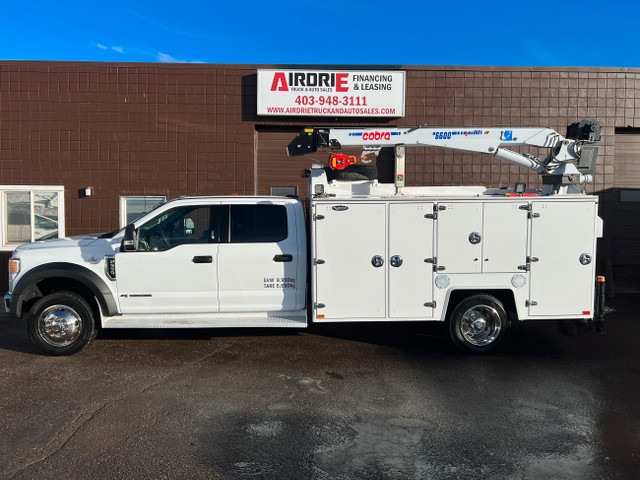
x=340, y=161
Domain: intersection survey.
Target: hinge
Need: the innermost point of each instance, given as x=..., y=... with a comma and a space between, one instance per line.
x=318, y=217
x=434, y=260
x=432, y=216
x=527, y=267
x=531, y=303
x=318, y=305
x=318, y=261
x=430, y=304
x=529, y=208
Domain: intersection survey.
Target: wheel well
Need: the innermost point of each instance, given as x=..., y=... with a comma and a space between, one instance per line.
x=59, y=284
x=504, y=295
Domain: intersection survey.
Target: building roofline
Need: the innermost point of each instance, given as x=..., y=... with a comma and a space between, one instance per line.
x=246, y=66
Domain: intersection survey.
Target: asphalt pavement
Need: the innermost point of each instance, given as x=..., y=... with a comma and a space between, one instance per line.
x=333, y=402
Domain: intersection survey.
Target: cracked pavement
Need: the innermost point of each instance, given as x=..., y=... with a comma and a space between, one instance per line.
x=340, y=401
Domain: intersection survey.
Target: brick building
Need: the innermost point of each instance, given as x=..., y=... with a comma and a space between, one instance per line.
x=84, y=147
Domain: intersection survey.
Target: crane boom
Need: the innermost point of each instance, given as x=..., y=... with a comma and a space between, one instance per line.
x=570, y=161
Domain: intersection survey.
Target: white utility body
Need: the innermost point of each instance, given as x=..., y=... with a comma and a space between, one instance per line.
x=429, y=245
x=473, y=257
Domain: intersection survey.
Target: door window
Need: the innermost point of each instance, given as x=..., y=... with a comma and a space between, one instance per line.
x=179, y=226
x=258, y=223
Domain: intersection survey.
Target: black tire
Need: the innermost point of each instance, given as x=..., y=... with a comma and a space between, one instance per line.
x=478, y=324
x=353, y=172
x=61, y=323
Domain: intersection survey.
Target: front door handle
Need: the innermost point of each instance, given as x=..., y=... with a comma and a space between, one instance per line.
x=203, y=259
x=283, y=258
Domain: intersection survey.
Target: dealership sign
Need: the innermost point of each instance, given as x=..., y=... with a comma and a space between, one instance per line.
x=331, y=93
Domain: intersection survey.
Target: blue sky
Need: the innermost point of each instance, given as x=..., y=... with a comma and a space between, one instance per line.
x=400, y=32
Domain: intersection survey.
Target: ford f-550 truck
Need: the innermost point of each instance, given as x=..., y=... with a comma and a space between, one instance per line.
x=472, y=257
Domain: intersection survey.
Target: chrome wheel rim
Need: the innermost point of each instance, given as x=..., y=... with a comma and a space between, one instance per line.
x=59, y=325
x=480, y=325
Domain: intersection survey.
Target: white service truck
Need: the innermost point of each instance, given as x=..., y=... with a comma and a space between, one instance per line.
x=472, y=257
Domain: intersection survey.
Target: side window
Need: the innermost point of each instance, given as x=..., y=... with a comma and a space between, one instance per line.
x=258, y=223
x=182, y=225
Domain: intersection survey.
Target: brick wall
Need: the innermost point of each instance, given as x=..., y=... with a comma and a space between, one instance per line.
x=156, y=129
x=123, y=130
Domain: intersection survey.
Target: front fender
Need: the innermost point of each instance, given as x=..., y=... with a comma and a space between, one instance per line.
x=27, y=286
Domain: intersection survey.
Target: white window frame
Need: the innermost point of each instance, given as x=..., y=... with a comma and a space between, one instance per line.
x=30, y=189
x=123, y=205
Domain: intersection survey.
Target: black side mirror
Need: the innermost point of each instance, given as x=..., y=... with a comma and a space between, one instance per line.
x=130, y=242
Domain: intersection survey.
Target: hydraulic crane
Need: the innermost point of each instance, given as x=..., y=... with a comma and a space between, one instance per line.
x=570, y=160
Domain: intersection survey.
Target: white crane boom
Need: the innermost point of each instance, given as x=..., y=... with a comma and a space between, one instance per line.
x=569, y=162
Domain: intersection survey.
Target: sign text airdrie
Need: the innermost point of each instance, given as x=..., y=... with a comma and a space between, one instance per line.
x=331, y=93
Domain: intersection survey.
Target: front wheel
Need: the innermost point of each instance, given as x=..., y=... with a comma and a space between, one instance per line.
x=478, y=324
x=61, y=323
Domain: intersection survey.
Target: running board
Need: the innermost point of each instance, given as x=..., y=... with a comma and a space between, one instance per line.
x=208, y=320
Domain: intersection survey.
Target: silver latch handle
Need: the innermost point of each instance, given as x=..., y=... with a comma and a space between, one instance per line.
x=377, y=261
x=396, y=261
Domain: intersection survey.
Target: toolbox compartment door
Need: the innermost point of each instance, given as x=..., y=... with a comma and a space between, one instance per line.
x=348, y=237
x=562, y=234
x=411, y=274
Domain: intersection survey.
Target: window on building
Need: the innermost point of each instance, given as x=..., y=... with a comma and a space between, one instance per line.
x=133, y=207
x=258, y=223
x=629, y=195
x=31, y=213
x=284, y=191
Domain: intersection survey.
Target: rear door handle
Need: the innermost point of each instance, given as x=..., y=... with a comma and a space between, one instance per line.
x=283, y=258
x=203, y=259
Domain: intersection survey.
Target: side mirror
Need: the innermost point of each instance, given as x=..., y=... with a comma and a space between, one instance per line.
x=130, y=242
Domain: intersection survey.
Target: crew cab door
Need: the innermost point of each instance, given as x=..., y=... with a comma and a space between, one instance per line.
x=261, y=265
x=174, y=268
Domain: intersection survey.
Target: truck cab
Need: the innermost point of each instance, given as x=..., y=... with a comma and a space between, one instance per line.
x=192, y=262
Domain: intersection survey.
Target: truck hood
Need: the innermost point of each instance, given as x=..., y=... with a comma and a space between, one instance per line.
x=65, y=242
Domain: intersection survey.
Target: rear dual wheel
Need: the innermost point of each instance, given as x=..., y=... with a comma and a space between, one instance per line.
x=478, y=324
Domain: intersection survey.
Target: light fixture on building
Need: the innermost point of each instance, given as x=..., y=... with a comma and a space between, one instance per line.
x=85, y=192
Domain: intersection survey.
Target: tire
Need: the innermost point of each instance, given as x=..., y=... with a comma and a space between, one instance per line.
x=353, y=172
x=61, y=323
x=478, y=324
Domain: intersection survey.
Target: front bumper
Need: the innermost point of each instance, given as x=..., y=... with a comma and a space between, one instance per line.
x=7, y=302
